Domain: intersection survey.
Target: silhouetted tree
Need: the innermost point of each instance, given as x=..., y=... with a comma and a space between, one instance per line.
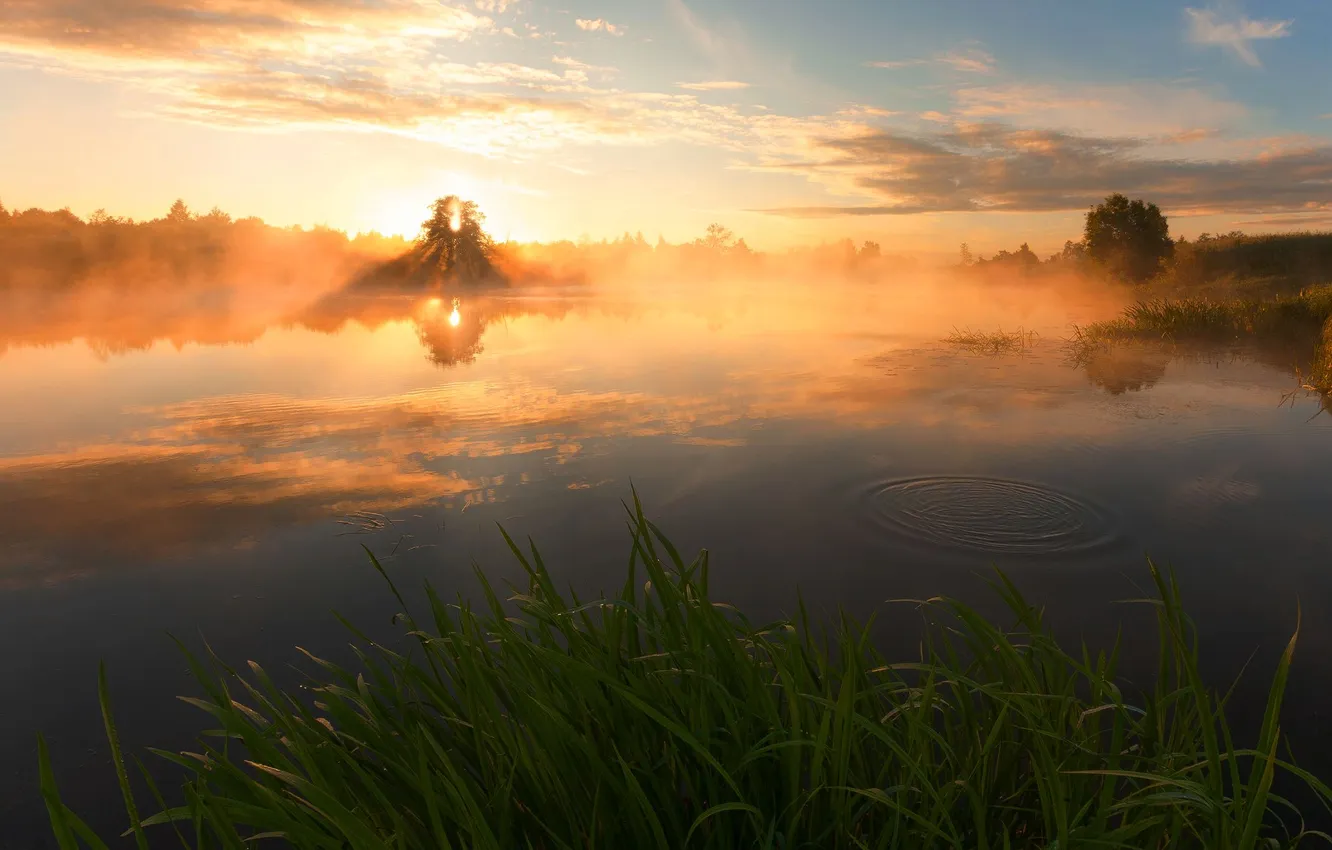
x=216, y=217
x=4, y=214
x=453, y=241
x=179, y=213
x=1073, y=254
x=870, y=250
x=1023, y=258
x=717, y=238
x=1130, y=239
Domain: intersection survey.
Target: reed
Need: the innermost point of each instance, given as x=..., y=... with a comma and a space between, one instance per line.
x=992, y=342
x=660, y=717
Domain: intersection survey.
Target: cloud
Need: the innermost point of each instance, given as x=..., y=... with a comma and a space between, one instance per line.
x=995, y=167
x=1289, y=221
x=971, y=60
x=714, y=85
x=1207, y=27
x=220, y=32
x=277, y=65
x=570, y=62
x=1139, y=109
x=599, y=25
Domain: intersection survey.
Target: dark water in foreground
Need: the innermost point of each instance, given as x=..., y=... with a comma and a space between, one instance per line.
x=827, y=441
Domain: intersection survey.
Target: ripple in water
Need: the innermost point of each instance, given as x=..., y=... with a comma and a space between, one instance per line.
x=990, y=514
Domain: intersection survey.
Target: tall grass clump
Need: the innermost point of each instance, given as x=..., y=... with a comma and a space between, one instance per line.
x=661, y=718
x=1291, y=322
x=992, y=342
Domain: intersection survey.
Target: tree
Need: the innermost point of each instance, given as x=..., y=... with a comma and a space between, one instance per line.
x=179, y=213
x=870, y=250
x=1025, y=256
x=453, y=241
x=4, y=214
x=1073, y=254
x=1130, y=239
x=216, y=217
x=1023, y=259
x=717, y=238
x=967, y=258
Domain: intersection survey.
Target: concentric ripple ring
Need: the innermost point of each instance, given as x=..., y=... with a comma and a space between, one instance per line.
x=991, y=514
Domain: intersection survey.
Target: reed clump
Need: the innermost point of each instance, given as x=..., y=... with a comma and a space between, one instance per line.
x=992, y=342
x=660, y=717
x=1289, y=322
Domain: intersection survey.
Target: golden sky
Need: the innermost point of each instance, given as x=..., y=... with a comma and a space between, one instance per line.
x=918, y=125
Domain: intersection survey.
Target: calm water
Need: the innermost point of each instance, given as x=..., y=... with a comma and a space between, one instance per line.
x=204, y=484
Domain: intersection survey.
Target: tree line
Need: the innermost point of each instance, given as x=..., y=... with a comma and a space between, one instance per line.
x=1126, y=240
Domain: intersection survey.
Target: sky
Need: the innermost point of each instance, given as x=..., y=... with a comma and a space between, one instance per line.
x=919, y=125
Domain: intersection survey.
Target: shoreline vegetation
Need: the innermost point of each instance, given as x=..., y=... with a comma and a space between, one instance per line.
x=1293, y=331
x=663, y=718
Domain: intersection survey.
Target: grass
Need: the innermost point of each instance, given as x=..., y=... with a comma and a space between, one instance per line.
x=995, y=342
x=1299, y=323
x=660, y=718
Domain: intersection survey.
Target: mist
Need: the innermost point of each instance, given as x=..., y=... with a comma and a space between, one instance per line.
x=121, y=286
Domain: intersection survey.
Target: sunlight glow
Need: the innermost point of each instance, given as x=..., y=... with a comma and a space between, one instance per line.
x=455, y=318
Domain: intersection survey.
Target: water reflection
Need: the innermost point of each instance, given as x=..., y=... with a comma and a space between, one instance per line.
x=1121, y=370
x=168, y=457
x=330, y=408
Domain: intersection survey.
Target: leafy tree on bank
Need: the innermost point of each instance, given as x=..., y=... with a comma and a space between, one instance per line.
x=453, y=241
x=1130, y=239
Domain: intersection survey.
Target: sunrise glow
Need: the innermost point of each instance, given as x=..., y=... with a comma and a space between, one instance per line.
x=923, y=128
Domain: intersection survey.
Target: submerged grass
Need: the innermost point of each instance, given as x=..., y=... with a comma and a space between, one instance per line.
x=661, y=718
x=992, y=342
x=1300, y=321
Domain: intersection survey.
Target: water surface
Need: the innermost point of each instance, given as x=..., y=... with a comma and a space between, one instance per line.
x=211, y=475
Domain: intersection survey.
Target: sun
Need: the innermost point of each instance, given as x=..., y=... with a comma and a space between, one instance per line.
x=400, y=211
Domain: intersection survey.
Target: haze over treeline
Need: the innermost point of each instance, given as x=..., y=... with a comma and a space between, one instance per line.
x=211, y=278
x=57, y=248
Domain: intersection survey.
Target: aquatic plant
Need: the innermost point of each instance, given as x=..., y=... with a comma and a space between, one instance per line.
x=992, y=342
x=663, y=718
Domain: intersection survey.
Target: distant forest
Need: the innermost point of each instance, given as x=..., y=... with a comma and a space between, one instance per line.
x=1124, y=240
x=57, y=248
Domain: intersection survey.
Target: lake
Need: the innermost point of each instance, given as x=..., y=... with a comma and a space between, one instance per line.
x=212, y=473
